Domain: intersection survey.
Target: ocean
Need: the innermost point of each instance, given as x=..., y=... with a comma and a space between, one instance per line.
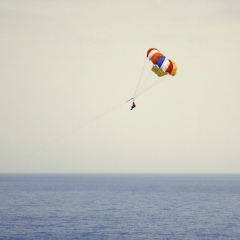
x=120, y=206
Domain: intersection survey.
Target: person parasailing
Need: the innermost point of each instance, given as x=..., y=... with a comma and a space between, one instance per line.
x=133, y=105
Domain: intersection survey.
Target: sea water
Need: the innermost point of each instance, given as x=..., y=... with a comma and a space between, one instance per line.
x=119, y=206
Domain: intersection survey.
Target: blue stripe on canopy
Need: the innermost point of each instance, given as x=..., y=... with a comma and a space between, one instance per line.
x=160, y=61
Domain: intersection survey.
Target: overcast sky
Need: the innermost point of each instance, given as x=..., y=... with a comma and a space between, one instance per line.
x=68, y=66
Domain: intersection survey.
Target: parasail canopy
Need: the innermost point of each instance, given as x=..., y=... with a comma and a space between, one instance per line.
x=161, y=65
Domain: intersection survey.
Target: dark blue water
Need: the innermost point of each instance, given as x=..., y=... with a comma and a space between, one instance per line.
x=134, y=207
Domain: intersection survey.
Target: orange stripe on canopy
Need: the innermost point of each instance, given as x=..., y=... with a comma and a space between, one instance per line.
x=155, y=57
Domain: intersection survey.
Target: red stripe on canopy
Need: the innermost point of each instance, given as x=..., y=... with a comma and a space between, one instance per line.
x=151, y=50
x=170, y=67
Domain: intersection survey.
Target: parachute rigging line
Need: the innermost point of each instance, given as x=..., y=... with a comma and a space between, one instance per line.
x=140, y=78
x=145, y=83
x=142, y=92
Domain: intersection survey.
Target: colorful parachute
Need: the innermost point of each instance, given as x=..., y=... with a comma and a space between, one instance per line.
x=162, y=66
